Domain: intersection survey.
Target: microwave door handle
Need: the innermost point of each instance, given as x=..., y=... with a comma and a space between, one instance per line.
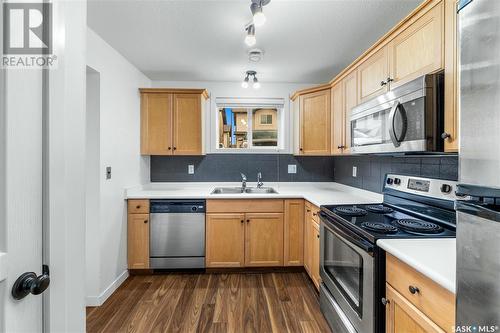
x=392, y=116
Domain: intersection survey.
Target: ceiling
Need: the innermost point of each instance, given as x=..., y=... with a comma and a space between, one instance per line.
x=305, y=41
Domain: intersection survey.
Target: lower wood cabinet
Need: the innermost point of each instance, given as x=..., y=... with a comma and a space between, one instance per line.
x=294, y=232
x=311, y=242
x=225, y=240
x=403, y=316
x=263, y=239
x=138, y=241
x=415, y=303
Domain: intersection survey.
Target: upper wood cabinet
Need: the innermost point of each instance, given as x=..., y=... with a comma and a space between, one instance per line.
x=418, y=49
x=372, y=75
x=172, y=121
x=350, y=100
x=338, y=119
x=294, y=232
x=314, y=123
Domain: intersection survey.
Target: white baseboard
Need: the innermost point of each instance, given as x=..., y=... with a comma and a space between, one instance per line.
x=99, y=300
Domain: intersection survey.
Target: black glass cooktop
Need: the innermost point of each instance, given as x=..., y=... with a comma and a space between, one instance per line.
x=376, y=221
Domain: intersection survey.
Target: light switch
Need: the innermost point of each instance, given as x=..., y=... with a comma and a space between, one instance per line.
x=191, y=169
x=292, y=168
x=354, y=171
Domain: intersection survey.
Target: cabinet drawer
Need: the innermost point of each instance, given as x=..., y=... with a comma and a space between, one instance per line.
x=245, y=206
x=138, y=206
x=433, y=300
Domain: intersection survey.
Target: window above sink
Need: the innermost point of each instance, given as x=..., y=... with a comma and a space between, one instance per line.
x=249, y=127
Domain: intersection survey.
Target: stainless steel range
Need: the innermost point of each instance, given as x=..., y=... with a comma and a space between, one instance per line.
x=352, y=267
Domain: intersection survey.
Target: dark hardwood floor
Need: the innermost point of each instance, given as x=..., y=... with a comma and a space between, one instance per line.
x=237, y=302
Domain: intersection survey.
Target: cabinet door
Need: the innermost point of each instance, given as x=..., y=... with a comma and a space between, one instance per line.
x=187, y=129
x=138, y=241
x=338, y=122
x=225, y=240
x=315, y=254
x=307, y=238
x=350, y=101
x=402, y=316
x=315, y=123
x=451, y=104
x=372, y=75
x=264, y=239
x=156, y=124
x=294, y=232
x=418, y=50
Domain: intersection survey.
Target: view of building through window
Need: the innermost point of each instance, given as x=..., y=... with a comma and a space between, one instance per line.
x=243, y=128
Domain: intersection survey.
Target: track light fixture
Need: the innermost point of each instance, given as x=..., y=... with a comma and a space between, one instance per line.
x=257, y=12
x=246, y=80
x=250, y=39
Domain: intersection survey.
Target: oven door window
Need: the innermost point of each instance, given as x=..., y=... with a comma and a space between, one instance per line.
x=371, y=129
x=344, y=266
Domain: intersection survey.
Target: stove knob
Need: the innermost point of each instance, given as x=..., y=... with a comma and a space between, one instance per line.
x=397, y=181
x=445, y=188
x=390, y=181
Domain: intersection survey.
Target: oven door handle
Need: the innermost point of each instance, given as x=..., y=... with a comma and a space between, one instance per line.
x=364, y=245
x=392, y=116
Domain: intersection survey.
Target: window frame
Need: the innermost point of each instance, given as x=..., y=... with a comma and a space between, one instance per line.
x=250, y=104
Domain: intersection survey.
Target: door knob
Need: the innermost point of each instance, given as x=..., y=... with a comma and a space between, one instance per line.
x=383, y=83
x=30, y=283
x=414, y=290
x=389, y=79
x=445, y=136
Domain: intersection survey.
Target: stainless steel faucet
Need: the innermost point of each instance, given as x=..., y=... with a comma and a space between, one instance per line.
x=259, y=180
x=243, y=181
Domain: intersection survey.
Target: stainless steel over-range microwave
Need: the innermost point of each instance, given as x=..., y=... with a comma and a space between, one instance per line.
x=409, y=118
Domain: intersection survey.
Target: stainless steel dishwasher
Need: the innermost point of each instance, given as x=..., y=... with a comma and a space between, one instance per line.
x=177, y=234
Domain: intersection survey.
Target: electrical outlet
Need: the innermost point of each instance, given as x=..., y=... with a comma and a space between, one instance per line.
x=191, y=169
x=354, y=171
x=292, y=168
x=108, y=172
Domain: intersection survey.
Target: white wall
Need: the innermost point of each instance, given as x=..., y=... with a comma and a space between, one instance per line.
x=234, y=89
x=120, y=149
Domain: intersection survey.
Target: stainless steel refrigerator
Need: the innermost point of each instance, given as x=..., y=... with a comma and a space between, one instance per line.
x=478, y=214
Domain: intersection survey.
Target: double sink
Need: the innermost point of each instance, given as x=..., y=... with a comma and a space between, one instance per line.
x=241, y=190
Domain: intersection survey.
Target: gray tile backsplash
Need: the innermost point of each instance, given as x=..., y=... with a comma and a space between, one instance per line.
x=274, y=167
x=372, y=169
x=227, y=168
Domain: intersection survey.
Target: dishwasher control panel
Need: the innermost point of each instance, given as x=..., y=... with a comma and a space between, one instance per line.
x=177, y=206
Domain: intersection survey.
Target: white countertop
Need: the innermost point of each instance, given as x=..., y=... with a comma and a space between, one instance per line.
x=317, y=193
x=435, y=258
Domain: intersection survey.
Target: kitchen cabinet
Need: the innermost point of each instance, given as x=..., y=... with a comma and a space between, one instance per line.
x=314, y=123
x=312, y=243
x=138, y=234
x=263, y=239
x=244, y=233
x=294, y=233
x=415, y=301
x=451, y=105
x=402, y=316
x=225, y=245
x=372, y=76
x=350, y=84
x=418, y=49
x=172, y=121
x=338, y=119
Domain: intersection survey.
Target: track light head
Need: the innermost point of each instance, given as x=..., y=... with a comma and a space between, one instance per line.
x=258, y=14
x=250, y=39
x=256, y=83
x=244, y=84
